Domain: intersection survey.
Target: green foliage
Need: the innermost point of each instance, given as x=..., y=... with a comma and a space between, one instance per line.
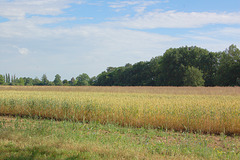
x=72, y=82
x=20, y=82
x=45, y=81
x=175, y=62
x=139, y=74
x=229, y=68
x=50, y=83
x=156, y=70
x=238, y=81
x=208, y=64
x=166, y=70
x=2, y=80
x=28, y=81
x=37, y=81
x=83, y=80
x=65, y=82
x=57, y=81
x=92, y=81
x=7, y=78
x=193, y=77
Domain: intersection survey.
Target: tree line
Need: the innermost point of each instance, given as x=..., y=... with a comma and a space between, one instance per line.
x=81, y=80
x=184, y=66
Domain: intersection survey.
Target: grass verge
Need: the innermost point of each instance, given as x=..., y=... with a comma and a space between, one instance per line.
x=25, y=138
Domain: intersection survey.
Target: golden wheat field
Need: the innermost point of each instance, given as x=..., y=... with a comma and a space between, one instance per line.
x=193, y=109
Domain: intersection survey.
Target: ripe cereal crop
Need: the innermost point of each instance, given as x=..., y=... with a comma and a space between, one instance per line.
x=193, y=109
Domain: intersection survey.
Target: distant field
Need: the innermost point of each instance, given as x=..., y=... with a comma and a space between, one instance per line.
x=143, y=89
x=192, y=109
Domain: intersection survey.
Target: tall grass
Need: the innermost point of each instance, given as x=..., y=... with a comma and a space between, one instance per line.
x=194, y=113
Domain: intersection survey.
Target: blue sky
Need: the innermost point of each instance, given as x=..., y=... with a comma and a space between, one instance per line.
x=70, y=37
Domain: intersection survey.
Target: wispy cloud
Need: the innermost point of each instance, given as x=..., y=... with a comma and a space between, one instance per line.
x=138, y=5
x=27, y=18
x=229, y=31
x=174, y=19
x=22, y=51
x=16, y=10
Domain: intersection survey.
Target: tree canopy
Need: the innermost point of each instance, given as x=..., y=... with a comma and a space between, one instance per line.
x=57, y=81
x=193, y=77
x=83, y=80
x=2, y=80
x=170, y=69
x=228, y=73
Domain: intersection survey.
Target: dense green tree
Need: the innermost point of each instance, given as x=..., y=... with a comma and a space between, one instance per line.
x=193, y=77
x=168, y=69
x=102, y=79
x=19, y=81
x=2, y=80
x=14, y=80
x=141, y=74
x=173, y=69
x=128, y=65
x=115, y=76
x=28, y=81
x=83, y=80
x=229, y=67
x=65, y=82
x=120, y=77
x=72, y=82
x=50, y=83
x=209, y=64
x=156, y=70
x=57, y=81
x=127, y=75
x=238, y=82
x=175, y=62
x=110, y=69
x=45, y=81
x=92, y=81
x=37, y=81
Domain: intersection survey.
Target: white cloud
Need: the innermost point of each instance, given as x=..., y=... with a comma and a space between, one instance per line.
x=173, y=19
x=31, y=27
x=213, y=39
x=218, y=34
x=22, y=51
x=229, y=31
x=27, y=17
x=18, y=9
x=138, y=5
x=46, y=20
x=122, y=4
